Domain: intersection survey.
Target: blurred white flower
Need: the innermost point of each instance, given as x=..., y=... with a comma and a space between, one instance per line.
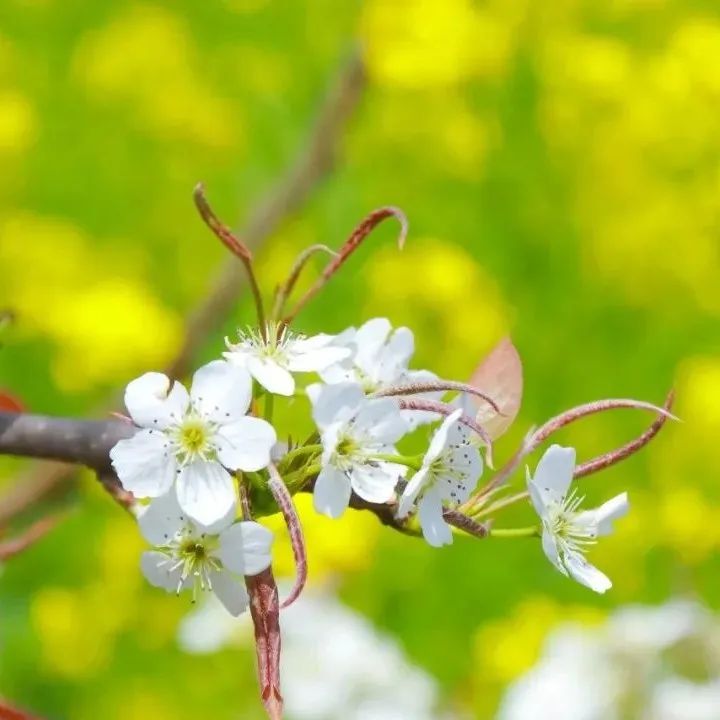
x=354, y=431
x=271, y=360
x=192, y=439
x=450, y=470
x=645, y=663
x=335, y=665
x=567, y=532
x=190, y=556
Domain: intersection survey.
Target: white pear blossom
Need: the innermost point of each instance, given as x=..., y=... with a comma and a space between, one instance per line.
x=191, y=440
x=271, y=359
x=567, y=532
x=449, y=473
x=191, y=556
x=354, y=430
x=377, y=355
x=379, y=359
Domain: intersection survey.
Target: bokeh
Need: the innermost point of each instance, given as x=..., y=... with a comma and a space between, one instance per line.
x=559, y=163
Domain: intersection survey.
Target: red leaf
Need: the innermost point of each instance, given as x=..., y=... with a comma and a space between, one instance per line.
x=500, y=376
x=10, y=403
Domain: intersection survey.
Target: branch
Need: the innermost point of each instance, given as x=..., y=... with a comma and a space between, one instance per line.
x=88, y=442
x=314, y=161
x=82, y=442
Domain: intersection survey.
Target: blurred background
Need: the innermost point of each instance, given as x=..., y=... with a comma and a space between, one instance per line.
x=559, y=165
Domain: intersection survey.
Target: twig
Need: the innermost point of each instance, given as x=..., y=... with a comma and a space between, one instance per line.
x=615, y=456
x=38, y=530
x=297, y=540
x=314, y=161
x=349, y=247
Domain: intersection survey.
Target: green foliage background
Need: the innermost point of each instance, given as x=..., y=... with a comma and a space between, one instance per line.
x=558, y=163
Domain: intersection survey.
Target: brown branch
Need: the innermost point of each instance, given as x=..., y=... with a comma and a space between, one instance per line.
x=314, y=161
x=37, y=531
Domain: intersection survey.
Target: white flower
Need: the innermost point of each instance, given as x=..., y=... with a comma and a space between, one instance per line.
x=567, y=532
x=379, y=359
x=450, y=470
x=272, y=361
x=193, y=438
x=188, y=555
x=353, y=431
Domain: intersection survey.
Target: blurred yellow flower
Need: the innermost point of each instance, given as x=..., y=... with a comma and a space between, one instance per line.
x=105, y=329
x=334, y=546
x=146, y=60
x=426, y=43
x=73, y=634
x=506, y=647
x=18, y=124
x=456, y=302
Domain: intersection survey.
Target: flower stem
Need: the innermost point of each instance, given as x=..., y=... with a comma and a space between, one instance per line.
x=413, y=462
x=532, y=531
x=499, y=505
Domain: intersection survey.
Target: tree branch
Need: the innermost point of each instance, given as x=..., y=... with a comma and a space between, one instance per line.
x=314, y=161
x=81, y=442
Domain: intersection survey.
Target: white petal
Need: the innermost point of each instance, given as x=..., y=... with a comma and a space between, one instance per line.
x=369, y=339
x=161, y=519
x=440, y=439
x=151, y=402
x=434, y=528
x=221, y=391
x=393, y=358
x=335, y=403
x=230, y=591
x=271, y=376
x=465, y=466
x=554, y=473
x=381, y=420
x=144, y=463
x=401, y=346
x=245, y=548
x=332, y=492
x=412, y=490
x=342, y=372
x=459, y=433
x=312, y=360
x=373, y=483
x=246, y=444
x=206, y=491
x=602, y=518
x=156, y=566
x=536, y=498
x=550, y=549
x=586, y=574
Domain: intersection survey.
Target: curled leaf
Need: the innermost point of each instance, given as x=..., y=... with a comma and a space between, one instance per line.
x=500, y=377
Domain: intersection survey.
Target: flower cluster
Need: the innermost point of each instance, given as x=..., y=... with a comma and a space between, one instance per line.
x=402, y=443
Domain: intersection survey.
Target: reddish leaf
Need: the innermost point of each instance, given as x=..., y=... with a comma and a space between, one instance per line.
x=500, y=376
x=10, y=403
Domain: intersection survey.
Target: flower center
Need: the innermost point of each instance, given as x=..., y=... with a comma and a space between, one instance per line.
x=562, y=522
x=193, y=439
x=193, y=436
x=193, y=556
